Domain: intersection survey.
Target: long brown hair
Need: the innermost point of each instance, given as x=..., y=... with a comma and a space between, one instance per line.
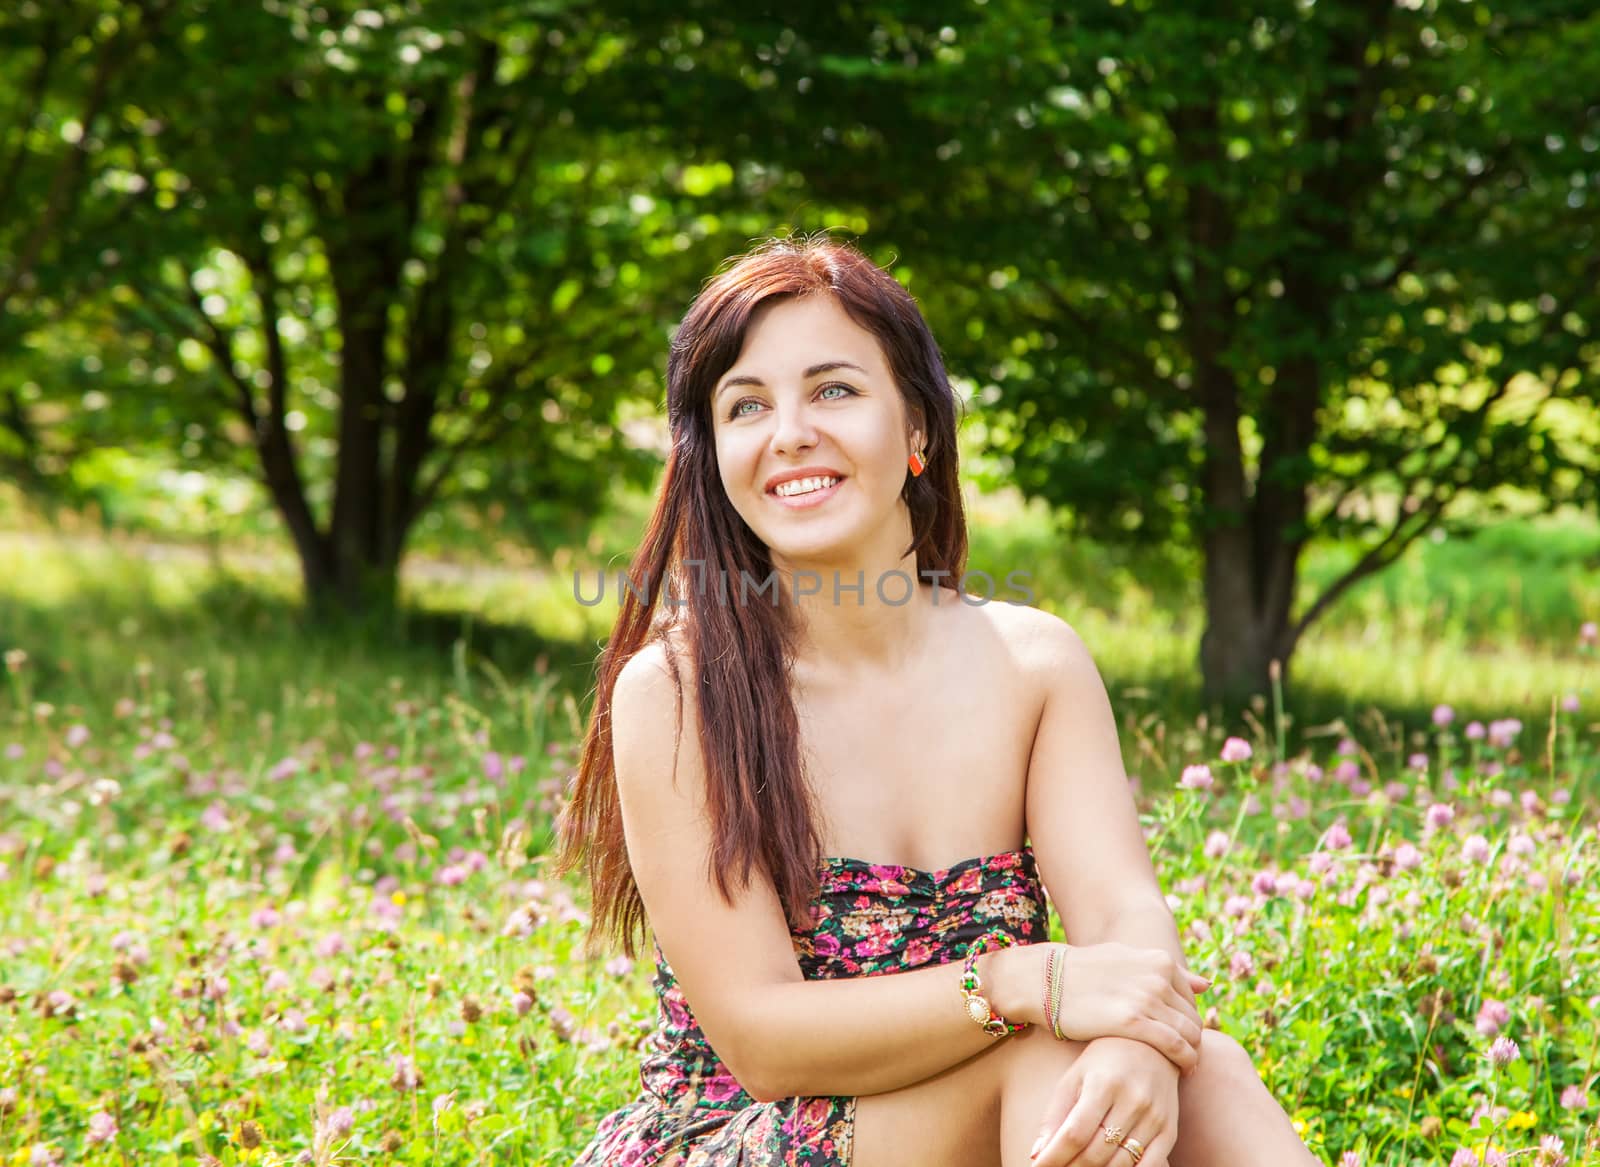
x=761, y=805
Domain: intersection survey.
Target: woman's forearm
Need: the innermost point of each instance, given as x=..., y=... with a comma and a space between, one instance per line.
x=871, y=1034
x=1144, y=925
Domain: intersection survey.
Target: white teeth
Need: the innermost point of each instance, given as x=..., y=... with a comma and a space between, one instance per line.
x=802, y=486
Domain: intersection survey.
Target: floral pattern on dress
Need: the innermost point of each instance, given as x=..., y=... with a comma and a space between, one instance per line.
x=867, y=919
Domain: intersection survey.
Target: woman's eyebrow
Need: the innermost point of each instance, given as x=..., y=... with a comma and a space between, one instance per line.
x=813, y=371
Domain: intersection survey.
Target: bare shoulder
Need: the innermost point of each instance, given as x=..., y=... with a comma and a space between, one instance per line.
x=1045, y=647
x=653, y=708
x=723, y=950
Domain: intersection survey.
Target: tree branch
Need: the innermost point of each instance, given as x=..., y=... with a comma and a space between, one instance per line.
x=60, y=202
x=1381, y=555
x=221, y=346
x=1393, y=545
x=1138, y=366
x=49, y=44
x=482, y=432
x=169, y=314
x=1444, y=213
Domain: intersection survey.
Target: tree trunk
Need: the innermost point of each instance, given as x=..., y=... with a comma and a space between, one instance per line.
x=1252, y=541
x=366, y=253
x=1243, y=635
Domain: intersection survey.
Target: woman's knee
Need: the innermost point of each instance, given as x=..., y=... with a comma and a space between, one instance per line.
x=1032, y=1057
x=1223, y=1062
x=1222, y=1059
x=955, y=1112
x=1036, y=1047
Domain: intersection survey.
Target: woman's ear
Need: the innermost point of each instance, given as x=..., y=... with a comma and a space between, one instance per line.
x=919, y=427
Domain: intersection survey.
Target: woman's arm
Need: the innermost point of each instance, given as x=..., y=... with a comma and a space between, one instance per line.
x=867, y=1035
x=778, y=1034
x=1080, y=811
x=864, y=1034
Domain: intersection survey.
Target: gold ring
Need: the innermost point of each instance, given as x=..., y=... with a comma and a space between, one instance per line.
x=1113, y=1134
x=1134, y=1147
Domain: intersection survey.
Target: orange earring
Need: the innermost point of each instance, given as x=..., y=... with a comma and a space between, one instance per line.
x=917, y=464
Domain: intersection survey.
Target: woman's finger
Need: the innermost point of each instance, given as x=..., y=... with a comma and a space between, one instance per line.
x=1073, y=1136
x=1165, y=1040
x=1157, y=1149
x=1171, y=1034
x=1184, y=1004
x=1189, y=1028
x=1121, y=1123
x=1056, y=1108
x=1186, y=984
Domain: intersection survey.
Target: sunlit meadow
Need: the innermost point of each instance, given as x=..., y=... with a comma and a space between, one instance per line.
x=324, y=932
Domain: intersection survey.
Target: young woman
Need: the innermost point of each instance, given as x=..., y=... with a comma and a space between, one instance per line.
x=812, y=764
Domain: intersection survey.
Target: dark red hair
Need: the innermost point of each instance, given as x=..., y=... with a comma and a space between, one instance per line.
x=761, y=804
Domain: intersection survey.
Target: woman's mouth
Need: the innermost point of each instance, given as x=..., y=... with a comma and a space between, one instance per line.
x=804, y=493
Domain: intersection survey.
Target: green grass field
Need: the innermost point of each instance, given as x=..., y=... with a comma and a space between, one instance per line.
x=272, y=899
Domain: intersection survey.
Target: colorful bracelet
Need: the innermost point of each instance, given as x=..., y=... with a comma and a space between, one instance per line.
x=978, y=1008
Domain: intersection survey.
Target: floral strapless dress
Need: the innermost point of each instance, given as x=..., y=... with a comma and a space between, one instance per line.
x=868, y=919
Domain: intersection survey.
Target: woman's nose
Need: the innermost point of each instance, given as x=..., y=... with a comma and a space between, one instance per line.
x=794, y=430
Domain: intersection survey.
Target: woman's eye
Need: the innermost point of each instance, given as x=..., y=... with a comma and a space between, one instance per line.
x=738, y=406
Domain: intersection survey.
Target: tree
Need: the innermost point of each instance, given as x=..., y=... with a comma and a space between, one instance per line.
x=392, y=260
x=1250, y=275
x=63, y=67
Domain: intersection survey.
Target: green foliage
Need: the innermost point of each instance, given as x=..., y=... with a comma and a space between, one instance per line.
x=378, y=260
x=1236, y=282
x=1520, y=583
x=1385, y=202
x=1244, y=279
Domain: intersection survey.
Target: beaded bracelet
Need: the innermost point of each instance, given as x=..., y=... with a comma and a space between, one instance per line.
x=978, y=1008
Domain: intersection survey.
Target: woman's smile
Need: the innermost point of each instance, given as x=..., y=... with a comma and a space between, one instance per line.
x=807, y=499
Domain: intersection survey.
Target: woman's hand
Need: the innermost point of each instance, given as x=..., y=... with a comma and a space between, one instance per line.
x=1115, y=1084
x=1115, y=990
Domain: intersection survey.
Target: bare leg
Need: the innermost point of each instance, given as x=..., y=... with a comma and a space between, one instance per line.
x=986, y=1111
x=1228, y=1116
x=983, y=1112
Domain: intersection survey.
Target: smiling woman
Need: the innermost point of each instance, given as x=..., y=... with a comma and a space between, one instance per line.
x=815, y=1007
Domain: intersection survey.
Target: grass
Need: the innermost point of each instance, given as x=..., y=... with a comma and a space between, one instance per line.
x=270, y=897
x=1131, y=607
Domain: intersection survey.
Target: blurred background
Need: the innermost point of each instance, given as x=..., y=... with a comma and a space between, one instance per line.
x=1275, y=322
x=332, y=351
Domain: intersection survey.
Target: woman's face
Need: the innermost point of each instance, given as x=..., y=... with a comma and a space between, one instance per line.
x=811, y=391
